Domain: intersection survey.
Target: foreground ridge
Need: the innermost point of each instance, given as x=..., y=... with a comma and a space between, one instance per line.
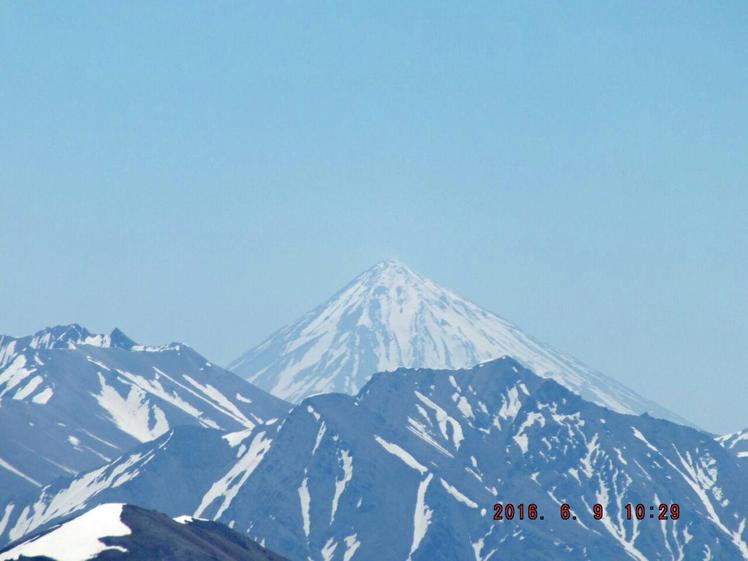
x=131, y=533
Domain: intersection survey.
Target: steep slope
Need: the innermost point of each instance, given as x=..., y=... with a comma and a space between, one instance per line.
x=130, y=533
x=70, y=401
x=736, y=442
x=391, y=317
x=411, y=468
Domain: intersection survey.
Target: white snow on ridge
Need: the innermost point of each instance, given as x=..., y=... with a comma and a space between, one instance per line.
x=14, y=374
x=478, y=549
x=236, y=438
x=351, y=545
x=641, y=437
x=341, y=484
x=102, y=341
x=206, y=394
x=510, y=404
x=390, y=317
x=618, y=530
x=701, y=476
x=421, y=516
x=7, y=349
x=320, y=435
x=593, y=447
x=132, y=414
x=457, y=494
x=736, y=442
x=186, y=519
x=77, y=539
x=43, y=396
x=225, y=489
x=76, y=495
x=224, y=403
x=733, y=438
x=403, y=455
x=305, y=503
x=520, y=437
x=329, y=549
x=444, y=421
x=421, y=432
x=6, y=516
x=464, y=406
x=28, y=389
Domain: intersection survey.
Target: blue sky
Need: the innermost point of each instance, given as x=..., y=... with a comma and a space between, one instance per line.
x=207, y=172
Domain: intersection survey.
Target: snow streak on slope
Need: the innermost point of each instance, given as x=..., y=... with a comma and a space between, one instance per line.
x=71, y=400
x=390, y=317
x=736, y=442
x=207, y=455
x=380, y=475
x=226, y=488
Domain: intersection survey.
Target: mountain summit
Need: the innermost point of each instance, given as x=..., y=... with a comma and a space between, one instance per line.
x=390, y=317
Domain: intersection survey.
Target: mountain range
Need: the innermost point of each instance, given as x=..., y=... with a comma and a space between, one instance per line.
x=413, y=418
x=71, y=400
x=390, y=317
x=411, y=467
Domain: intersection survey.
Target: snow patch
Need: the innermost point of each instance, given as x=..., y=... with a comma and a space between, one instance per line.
x=444, y=420
x=351, y=546
x=235, y=438
x=14, y=374
x=305, y=501
x=320, y=435
x=457, y=495
x=43, y=396
x=28, y=389
x=341, y=484
x=78, y=539
x=329, y=549
x=521, y=438
x=132, y=414
x=398, y=452
x=421, y=516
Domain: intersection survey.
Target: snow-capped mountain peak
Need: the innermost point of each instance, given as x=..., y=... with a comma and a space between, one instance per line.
x=389, y=317
x=71, y=337
x=70, y=399
x=68, y=337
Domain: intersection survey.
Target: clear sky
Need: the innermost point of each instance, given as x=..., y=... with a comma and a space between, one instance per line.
x=206, y=172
